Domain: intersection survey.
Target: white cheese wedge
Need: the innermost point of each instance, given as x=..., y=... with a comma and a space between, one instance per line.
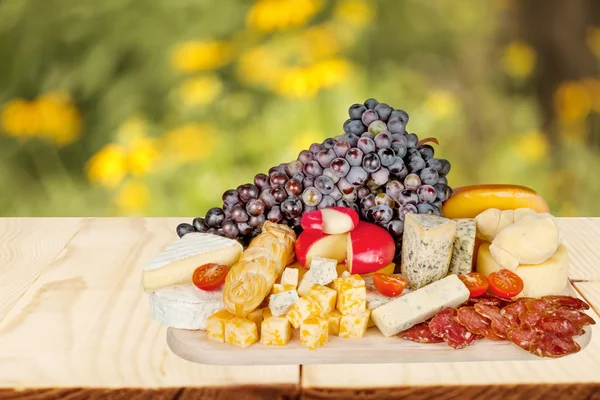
x=176, y=264
x=427, y=245
x=418, y=306
x=547, y=278
x=280, y=303
x=185, y=307
x=374, y=298
x=289, y=277
x=324, y=270
x=464, y=247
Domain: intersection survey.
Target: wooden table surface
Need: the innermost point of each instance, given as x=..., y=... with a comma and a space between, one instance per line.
x=74, y=323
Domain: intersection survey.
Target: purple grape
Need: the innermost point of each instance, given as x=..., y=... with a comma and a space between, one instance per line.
x=426, y=151
x=313, y=168
x=368, y=135
x=326, y=202
x=340, y=167
x=350, y=197
x=443, y=191
x=275, y=214
x=324, y=184
x=230, y=197
x=298, y=176
x=305, y=156
x=393, y=189
x=344, y=186
x=291, y=207
x=343, y=203
x=437, y=210
x=371, y=162
x=199, y=225
x=354, y=157
x=413, y=152
x=293, y=187
x=407, y=209
x=336, y=193
x=437, y=204
x=383, y=110
x=278, y=179
x=425, y=208
x=258, y=221
x=376, y=127
x=214, y=217
x=396, y=228
x=309, y=181
x=398, y=168
x=261, y=181
x=311, y=196
x=356, y=127
x=328, y=172
x=247, y=192
x=383, y=139
x=368, y=202
x=407, y=197
x=395, y=125
x=267, y=198
x=366, y=145
x=357, y=176
x=294, y=167
x=415, y=164
x=412, y=140
x=369, y=116
x=324, y=157
x=443, y=179
x=277, y=168
x=371, y=103
x=400, y=149
x=230, y=229
x=387, y=156
x=341, y=148
x=315, y=148
x=363, y=192
x=308, y=209
x=426, y=193
x=373, y=186
x=382, y=214
x=401, y=114
x=239, y=213
x=350, y=138
x=329, y=143
x=429, y=176
x=445, y=167
x=346, y=125
x=381, y=176
x=412, y=182
x=279, y=194
x=255, y=207
x=383, y=198
x=244, y=228
x=183, y=229
x=356, y=110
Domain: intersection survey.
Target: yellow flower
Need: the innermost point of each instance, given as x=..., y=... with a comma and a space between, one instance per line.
x=533, y=146
x=573, y=101
x=17, y=118
x=108, y=166
x=200, y=55
x=320, y=42
x=593, y=88
x=271, y=15
x=142, y=156
x=200, y=91
x=518, y=59
x=134, y=128
x=330, y=72
x=355, y=12
x=441, y=104
x=593, y=40
x=60, y=122
x=133, y=196
x=189, y=142
x=298, y=83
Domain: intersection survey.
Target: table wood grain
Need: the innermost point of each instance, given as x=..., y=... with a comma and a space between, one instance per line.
x=74, y=323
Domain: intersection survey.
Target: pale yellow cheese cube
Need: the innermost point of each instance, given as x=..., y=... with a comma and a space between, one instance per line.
x=266, y=313
x=351, y=294
x=314, y=333
x=324, y=296
x=290, y=277
x=333, y=319
x=276, y=331
x=256, y=316
x=306, y=307
x=240, y=332
x=354, y=326
x=278, y=288
x=215, y=325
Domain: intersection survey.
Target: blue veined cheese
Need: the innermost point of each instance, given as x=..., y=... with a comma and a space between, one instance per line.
x=418, y=306
x=280, y=303
x=427, y=245
x=324, y=270
x=464, y=246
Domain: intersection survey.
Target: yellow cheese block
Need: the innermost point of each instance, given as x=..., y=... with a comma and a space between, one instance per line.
x=266, y=313
x=305, y=308
x=215, y=325
x=240, y=332
x=256, y=316
x=354, y=326
x=549, y=277
x=333, y=319
x=352, y=294
x=324, y=296
x=314, y=332
x=276, y=331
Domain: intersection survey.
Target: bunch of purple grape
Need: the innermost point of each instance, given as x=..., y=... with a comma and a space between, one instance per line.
x=375, y=167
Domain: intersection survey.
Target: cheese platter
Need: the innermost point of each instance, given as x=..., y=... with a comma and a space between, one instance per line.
x=358, y=251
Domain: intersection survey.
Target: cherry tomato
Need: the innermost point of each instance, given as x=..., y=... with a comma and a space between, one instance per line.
x=209, y=276
x=505, y=283
x=476, y=283
x=389, y=285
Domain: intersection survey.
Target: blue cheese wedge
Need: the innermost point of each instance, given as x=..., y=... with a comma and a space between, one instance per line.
x=280, y=303
x=464, y=246
x=427, y=245
x=324, y=270
x=415, y=307
x=175, y=265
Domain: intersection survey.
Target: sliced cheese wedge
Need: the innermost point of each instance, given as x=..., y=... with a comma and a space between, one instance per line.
x=176, y=264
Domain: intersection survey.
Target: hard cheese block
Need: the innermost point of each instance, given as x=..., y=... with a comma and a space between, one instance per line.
x=427, y=245
x=464, y=246
x=549, y=277
x=176, y=264
x=185, y=306
x=420, y=305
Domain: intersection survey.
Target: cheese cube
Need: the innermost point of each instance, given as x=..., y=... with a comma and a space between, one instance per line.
x=276, y=331
x=215, y=325
x=266, y=313
x=290, y=277
x=305, y=308
x=306, y=282
x=324, y=270
x=314, y=333
x=280, y=303
x=256, y=316
x=354, y=326
x=278, y=288
x=464, y=247
x=427, y=245
x=333, y=321
x=371, y=322
x=352, y=294
x=324, y=296
x=240, y=332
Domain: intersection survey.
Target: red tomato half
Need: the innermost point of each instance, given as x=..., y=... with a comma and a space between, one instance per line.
x=476, y=283
x=209, y=276
x=505, y=283
x=389, y=285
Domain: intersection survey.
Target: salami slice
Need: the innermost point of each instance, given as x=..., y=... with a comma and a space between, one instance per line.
x=512, y=312
x=553, y=345
x=523, y=337
x=475, y=323
x=578, y=317
x=445, y=325
x=420, y=333
x=558, y=325
x=568, y=301
x=540, y=306
x=489, y=299
x=529, y=319
x=499, y=324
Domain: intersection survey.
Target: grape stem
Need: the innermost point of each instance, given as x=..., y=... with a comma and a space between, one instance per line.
x=421, y=142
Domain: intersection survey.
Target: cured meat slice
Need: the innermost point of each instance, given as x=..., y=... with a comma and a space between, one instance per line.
x=559, y=326
x=568, y=301
x=553, y=345
x=488, y=299
x=420, y=333
x=578, y=317
x=540, y=306
x=499, y=324
x=475, y=323
x=512, y=312
x=523, y=337
x=529, y=319
x=445, y=325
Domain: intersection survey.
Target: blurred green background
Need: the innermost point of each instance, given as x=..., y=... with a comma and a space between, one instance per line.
x=156, y=107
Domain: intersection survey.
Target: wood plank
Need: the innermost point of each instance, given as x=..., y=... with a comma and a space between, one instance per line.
x=27, y=246
x=590, y=291
x=85, y=321
x=581, y=236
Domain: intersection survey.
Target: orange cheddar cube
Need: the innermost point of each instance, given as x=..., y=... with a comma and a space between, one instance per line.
x=276, y=331
x=333, y=320
x=354, y=326
x=324, y=296
x=215, y=325
x=240, y=332
x=305, y=308
x=256, y=316
x=352, y=294
x=314, y=333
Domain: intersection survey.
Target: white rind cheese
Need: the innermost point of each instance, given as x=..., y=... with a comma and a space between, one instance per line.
x=176, y=264
x=418, y=306
x=464, y=247
x=185, y=307
x=427, y=245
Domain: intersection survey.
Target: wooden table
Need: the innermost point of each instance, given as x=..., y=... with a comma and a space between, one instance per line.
x=74, y=324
